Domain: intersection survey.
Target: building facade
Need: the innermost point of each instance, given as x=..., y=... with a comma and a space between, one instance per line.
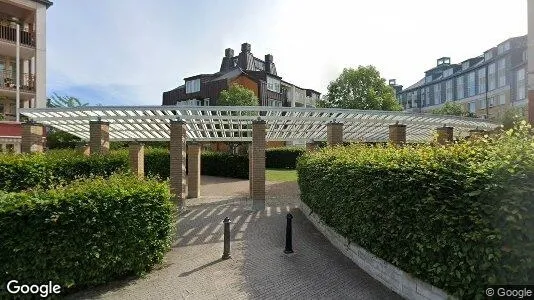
x=22, y=81
x=486, y=85
x=258, y=75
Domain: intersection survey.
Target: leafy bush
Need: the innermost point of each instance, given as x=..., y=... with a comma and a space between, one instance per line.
x=21, y=172
x=283, y=158
x=457, y=217
x=224, y=165
x=86, y=233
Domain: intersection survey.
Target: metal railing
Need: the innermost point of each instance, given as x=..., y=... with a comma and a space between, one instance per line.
x=8, y=81
x=10, y=34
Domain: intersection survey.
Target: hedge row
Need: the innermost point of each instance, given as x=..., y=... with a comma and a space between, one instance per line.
x=283, y=158
x=86, y=233
x=457, y=217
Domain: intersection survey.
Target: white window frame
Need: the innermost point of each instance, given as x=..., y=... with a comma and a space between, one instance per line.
x=481, y=81
x=502, y=99
x=471, y=107
x=521, y=84
x=491, y=77
x=449, y=92
x=437, y=93
x=471, y=84
x=460, y=87
x=192, y=86
x=273, y=84
x=501, y=72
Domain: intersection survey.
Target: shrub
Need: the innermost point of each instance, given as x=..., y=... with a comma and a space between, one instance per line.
x=86, y=233
x=283, y=158
x=458, y=217
x=224, y=165
x=21, y=172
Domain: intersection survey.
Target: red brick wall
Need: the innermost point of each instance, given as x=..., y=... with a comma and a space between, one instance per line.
x=10, y=129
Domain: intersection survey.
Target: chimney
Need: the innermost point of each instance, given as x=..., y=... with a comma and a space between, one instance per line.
x=268, y=63
x=245, y=47
x=229, y=52
x=393, y=82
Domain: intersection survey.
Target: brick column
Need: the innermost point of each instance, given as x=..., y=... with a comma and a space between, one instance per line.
x=397, y=133
x=32, y=137
x=99, y=137
x=445, y=135
x=84, y=149
x=250, y=172
x=193, y=176
x=258, y=164
x=177, y=163
x=475, y=133
x=334, y=133
x=137, y=158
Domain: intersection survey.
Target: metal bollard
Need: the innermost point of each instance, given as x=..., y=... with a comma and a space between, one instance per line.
x=289, y=235
x=226, y=252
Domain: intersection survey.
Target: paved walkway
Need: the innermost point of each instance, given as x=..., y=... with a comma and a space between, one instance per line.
x=258, y=269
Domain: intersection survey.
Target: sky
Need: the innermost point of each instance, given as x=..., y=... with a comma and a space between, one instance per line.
x=128, y=52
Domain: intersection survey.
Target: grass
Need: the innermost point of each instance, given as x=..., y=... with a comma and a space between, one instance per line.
x=280, y=175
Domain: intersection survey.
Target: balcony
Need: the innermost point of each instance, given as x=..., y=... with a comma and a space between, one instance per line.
x=8, y=82
x=9, y=34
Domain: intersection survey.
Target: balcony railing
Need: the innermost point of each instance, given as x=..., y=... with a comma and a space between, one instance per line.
x=7, y=81
x=10, y=34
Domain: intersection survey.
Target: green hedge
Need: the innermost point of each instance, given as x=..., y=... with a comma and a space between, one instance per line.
x=283, y=158
x=86, y=233
x=224, y=165
x=457, y=217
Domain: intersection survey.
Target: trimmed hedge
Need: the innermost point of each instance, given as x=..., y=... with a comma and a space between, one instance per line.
x=283, y=158
x=86, y=233
x=457, y=217
x=224, y=165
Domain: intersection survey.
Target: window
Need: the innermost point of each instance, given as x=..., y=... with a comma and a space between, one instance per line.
x=437, y=93
x=273, y=84
x=459, y=88
x=502, y=99
x=503, y=48
x=501, y=74
x=482, y=103
x=471, y=106
x=423, y=98
x=273, y=102
x=521, y=87
x=482, y=81
x=447, y=72
x=448, y=90
x=488, y=55
x=428, y=97
x=491, y=77
x=192, y=86
x=414, y=99
x=465, y=65
x=471, y=84
x=207, y=102
x=428, y=79
x=491, y=102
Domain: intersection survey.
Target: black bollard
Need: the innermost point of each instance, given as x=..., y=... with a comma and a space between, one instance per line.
x=289, y=235
x=226, y=252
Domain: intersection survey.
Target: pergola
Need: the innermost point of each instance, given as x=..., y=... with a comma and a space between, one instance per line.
x=257, y=124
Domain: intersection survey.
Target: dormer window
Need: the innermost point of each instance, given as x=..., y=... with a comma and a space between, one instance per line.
x=428, y=79
x=448, y=72
x=465, y=65
x=488, y=55
x=192, y=86
x=503, y=47
x=273, y=84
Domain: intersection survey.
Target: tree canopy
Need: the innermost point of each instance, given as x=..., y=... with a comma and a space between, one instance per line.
x=452, y=109
x=64, y=101
x=237, y=95
x=361, y=88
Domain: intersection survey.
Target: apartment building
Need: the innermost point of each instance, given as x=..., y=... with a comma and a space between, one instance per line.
x=22, y=64
x=256, y=74
x=486, y=85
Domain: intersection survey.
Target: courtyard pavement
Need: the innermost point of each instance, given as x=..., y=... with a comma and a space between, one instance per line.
x=258, y=269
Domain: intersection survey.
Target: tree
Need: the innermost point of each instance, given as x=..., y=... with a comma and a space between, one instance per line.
x=237, y=95
x=453, y=109
x=511, y=117
x=361, y=88
x=64, y=101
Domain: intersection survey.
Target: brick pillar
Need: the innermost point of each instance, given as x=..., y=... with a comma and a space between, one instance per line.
x=137, y=158
x=258, y=164
x=475, y=133
x=445, y=135
x=32, y=137
x=193, y=166
x=397, y=133
x=334, y=133
x=250, y=173
x=84, y=149
x=177, y=164
x=99, y=137
x=17, y=148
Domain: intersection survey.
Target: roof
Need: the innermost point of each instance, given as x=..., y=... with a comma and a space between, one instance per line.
x=45, y=2
x=233, y=123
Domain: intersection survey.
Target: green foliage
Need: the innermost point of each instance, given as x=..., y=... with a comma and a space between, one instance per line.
x=283, y=158
x=224, y=165
x=237, y=95
x=84, y=234
x=458, y=217
x=64, y=101
x=453, y=109
x=511, y=116
x=58, y=139
x=21, y=172
x=361, y=88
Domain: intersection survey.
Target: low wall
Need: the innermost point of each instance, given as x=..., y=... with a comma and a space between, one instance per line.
x=389, y=275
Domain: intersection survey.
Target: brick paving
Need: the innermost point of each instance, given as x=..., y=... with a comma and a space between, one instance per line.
x=258, y=269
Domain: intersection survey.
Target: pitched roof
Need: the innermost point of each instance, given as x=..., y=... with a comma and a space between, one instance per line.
x=45, y=2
